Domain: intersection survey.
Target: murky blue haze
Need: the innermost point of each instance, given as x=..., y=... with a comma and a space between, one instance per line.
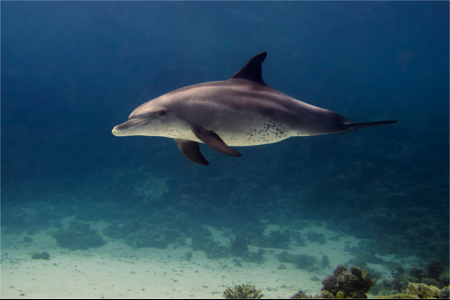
x=70, y=71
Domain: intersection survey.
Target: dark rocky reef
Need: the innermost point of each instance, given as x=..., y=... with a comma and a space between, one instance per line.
x=256, y=257
x=154, y=230
x=276, y=239
x=298, y=238
x=316, y=237
x=78, y=236
x=202, y=240
x=120, y=229
x=325, y=262
x=302, y=261
x=163, y=228
x=281, y=239
x=27, y=239
x=31, y=217
x=239, y=245
x=152, y=236
x=252, y=232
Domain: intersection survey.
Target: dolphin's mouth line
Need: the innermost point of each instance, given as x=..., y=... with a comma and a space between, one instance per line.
x=138, y=123
x=129, y=124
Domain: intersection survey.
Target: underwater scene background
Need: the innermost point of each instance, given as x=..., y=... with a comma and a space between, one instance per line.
x=73, y=193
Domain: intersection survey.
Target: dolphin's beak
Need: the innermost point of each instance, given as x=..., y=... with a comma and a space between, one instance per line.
x=122, y=129
x=116, y=131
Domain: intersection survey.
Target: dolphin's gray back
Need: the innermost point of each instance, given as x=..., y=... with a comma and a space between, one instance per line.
x=249, y=100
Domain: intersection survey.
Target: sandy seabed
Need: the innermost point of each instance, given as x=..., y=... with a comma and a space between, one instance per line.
x=117, y=270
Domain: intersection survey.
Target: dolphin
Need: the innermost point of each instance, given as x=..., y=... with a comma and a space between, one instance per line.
x=241, y=111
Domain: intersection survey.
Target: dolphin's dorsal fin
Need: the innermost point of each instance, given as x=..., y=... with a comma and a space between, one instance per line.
x=252, y=69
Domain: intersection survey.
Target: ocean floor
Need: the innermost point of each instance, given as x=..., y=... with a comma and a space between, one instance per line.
x=117, y=270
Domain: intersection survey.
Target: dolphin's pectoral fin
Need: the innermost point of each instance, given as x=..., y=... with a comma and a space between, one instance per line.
x=214, y=141
x=191, y=151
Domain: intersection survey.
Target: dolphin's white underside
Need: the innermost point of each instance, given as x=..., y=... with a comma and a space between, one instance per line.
x=235, y=128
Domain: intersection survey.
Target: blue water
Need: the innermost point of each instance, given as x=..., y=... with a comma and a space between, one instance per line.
x=71, y=71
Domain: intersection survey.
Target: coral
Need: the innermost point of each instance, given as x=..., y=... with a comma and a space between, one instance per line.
x=78, y=236
x=256, y=257
x=344, y=283
x=430, y=281
x=152, y=237
x=402, y=277
x=237, y=263
x=107, y=211
x=418, y=273
x=374, y=274
x=298, y=238
x=301, y=261
x=398, y=296
x=358, y=261
x=423, y=290
x=444, y=293
x=276, y=239
x=301, y=295
x=285, y=257
x=325, y=295
x=444, y=279
x=42, y=255
x=202, y=240
x=335, y=237
x=251, y=232
x=152, y=189
x=152, y=231
x=434, y=268
x=181, y=241
x=27, y=239
x=239, y=245
x=364, y=253
x=419, y=291
x=316, y=237
x=406, y=230
x=244, y=291
x=353, y=283
x=325, y=262
x=31, y=217
x=305, y=262
x=120, y=229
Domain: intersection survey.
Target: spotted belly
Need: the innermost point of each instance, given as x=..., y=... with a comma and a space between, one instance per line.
x=235, y=128
x=250, y=131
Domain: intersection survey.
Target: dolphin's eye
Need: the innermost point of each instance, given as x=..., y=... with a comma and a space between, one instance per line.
x=162, y=112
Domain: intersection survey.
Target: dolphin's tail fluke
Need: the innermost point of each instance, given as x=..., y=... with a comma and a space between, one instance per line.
x=353, y=126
